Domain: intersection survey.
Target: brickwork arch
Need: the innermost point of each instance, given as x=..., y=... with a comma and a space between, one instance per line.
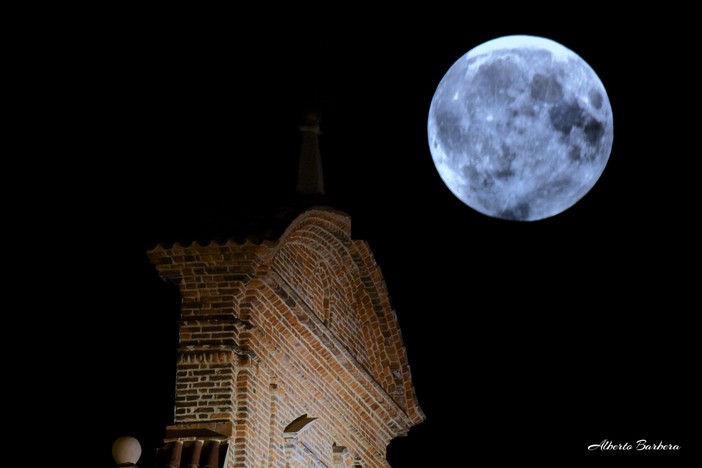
x=318, y=244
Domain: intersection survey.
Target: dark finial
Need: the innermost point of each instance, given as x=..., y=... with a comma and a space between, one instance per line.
x=310, y=178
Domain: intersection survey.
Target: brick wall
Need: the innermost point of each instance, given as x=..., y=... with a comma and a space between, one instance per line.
x=295, y=330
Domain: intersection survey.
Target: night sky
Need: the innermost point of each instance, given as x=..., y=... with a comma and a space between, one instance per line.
x=526, y=341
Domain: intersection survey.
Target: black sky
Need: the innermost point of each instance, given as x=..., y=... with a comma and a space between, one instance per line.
x=527, y=341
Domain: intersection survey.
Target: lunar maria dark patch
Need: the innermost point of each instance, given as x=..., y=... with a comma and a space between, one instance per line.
x=593, y=131
x=595, y=98
x=566, y=115
x=546, y=88
x=496, y=78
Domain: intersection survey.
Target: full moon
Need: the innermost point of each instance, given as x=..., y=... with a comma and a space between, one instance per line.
x=520, y=128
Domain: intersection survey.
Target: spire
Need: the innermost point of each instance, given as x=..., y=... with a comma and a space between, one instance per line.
x=310, y=178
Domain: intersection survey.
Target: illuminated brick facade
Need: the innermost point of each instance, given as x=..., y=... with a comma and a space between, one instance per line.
x=290, y=352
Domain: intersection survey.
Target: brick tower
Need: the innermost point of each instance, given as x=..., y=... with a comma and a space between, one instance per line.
x=290, y=353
